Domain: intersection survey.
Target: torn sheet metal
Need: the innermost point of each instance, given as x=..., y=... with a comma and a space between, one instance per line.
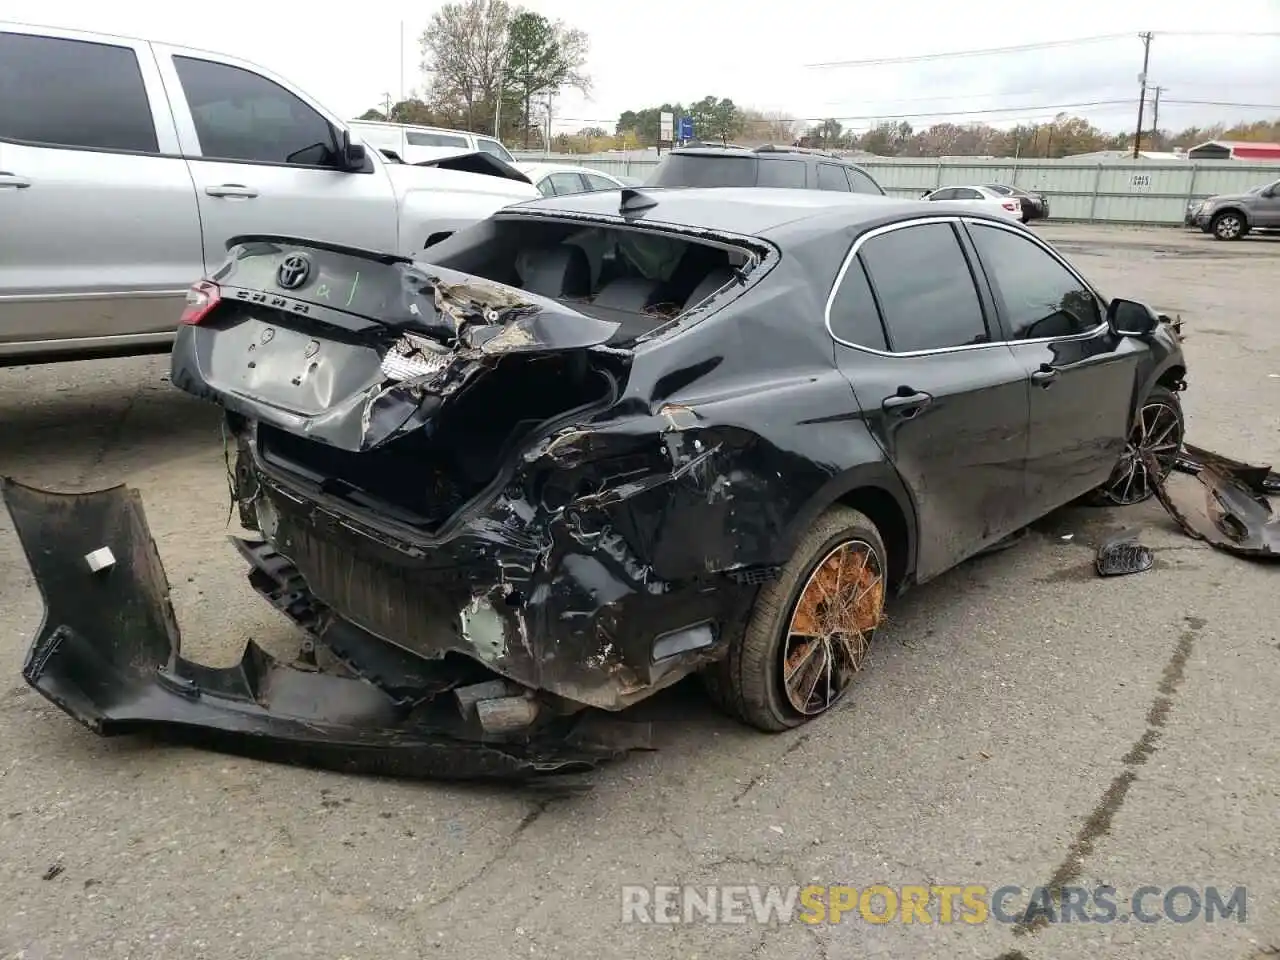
x=109, y=654
x=410, y=338
x=1224, y=503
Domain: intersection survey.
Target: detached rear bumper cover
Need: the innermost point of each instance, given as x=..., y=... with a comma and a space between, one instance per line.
x=109, y=654
x=1229, y=507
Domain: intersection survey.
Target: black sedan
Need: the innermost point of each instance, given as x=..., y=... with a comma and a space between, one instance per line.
x=1035, y=206
x=599, y=443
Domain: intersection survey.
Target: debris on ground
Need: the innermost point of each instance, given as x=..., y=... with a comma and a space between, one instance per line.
x=1122, y=554
x=1228, y=507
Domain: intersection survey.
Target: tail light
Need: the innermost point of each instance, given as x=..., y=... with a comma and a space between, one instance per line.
x=1012, y=205
x=202, y=298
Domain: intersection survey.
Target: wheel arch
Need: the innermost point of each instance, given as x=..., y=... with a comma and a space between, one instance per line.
x=1232, y=208
x=876, y=490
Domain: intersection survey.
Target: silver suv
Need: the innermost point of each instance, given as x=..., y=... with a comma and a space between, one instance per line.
x=1230, y=216
x=126, y=166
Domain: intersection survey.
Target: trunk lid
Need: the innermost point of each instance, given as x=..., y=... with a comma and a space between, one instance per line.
x=352, y=348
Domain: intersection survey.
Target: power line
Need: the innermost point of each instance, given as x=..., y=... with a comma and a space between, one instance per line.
x=1217, y=33
x=1226, y=103
x=1026, y=47
x=988, y=51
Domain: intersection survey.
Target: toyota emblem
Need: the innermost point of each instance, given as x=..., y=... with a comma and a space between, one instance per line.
x=294, y=271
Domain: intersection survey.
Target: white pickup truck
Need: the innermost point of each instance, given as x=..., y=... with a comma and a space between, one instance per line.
x=126, y=165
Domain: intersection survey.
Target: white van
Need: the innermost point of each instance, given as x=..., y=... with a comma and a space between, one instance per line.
x=413, y=144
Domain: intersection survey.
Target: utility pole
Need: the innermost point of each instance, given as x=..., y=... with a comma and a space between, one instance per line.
x=387, y=100
x=1142, y=94
x=549, y=95
x=1155, y=116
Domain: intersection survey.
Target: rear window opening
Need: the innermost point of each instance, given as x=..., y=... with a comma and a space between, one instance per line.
x=640, y=279
x=424, y=477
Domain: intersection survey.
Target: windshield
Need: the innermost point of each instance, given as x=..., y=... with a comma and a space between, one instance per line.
x=701, y=170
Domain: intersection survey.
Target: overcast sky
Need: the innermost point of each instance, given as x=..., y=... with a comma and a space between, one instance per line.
x=348, y=55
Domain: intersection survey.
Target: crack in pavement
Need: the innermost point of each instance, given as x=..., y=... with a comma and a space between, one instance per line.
x=1098, y=823
x=760, y=778
x=504, y=851
x=112, y=436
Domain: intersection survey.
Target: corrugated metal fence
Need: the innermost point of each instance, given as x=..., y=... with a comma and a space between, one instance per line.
x=1120, y=191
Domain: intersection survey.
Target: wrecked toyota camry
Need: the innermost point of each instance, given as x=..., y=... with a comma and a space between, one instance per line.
x=597, y=444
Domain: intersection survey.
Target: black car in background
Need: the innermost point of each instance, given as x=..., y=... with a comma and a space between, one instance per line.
x=1035, y=206
x=600, y=442
x=772, y=165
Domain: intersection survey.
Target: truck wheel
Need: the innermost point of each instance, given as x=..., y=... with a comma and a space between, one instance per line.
x=810, y=630
x=1228, y=225
x=1157, y=431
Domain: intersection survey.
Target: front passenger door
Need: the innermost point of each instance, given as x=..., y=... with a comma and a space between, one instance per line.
x=1082, y=379
x=946, y=400
x=1267, y=208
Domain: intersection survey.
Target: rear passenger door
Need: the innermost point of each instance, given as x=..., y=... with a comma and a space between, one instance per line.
x=1081, y=378
x=264, y=160
x=944, y=398
x=99, y=234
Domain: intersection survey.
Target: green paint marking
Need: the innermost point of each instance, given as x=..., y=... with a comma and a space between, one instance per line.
x=354, y=284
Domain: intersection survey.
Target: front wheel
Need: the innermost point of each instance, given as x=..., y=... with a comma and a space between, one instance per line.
x=1228, y=225
x=1156, y=436
x=810, y=630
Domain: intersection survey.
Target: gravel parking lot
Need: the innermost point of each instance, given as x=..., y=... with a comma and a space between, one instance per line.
x=995, y=739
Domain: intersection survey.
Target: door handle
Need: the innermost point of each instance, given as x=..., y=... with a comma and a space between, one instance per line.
x=906, y=404
x=238, y=190
x=1045, y=375
x=8, y=179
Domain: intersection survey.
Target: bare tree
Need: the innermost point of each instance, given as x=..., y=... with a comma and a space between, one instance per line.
x=464, y=51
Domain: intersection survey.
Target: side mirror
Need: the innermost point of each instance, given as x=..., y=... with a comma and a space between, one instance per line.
x=353, y=156
x=1129, y=318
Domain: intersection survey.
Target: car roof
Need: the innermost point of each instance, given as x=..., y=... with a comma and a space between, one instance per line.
x=558, y=168
x=746, y=211
x=761, y=152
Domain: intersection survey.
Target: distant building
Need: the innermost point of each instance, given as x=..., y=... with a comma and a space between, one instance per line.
x=1234, y=150
x=1151, y=156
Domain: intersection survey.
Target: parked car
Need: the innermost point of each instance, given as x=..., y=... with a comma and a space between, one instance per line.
x=573, y=459
x=978, y=198
x=553, y=179
x=129, y=165
x=1232, y=216
x=412, y=143
x=767, y=166
x=1035, y=206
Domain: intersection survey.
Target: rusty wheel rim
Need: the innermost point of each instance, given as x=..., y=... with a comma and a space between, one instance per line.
x=829, y=634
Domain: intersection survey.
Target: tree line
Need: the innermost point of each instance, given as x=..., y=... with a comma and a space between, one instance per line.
x=720, y=120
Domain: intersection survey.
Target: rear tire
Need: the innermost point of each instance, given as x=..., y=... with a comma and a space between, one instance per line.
x=799, y=653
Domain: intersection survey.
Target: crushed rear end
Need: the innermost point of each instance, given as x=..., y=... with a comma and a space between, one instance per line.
x=439, y=490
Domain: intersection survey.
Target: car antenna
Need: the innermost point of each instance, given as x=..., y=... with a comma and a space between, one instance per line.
x=633, y=201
